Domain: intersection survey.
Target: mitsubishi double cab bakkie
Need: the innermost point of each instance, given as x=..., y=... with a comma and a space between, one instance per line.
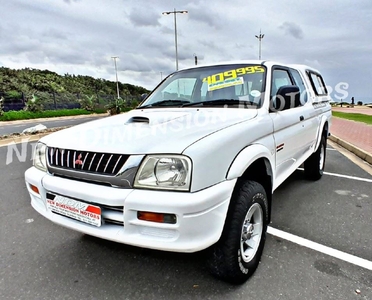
x=194, y=166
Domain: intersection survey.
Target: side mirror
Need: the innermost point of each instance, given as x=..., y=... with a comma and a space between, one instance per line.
x=288, y=96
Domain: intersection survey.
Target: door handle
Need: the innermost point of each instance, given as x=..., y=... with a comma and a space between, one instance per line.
x=302, y=118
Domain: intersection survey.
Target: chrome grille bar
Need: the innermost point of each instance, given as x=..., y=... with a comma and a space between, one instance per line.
x=74, y=160
x=62, y=153
x=90, y=165
x=107, y=164
x=68, y=158
x=116, y=164
x=85, y=158
x=57, y=162
x=99, y=162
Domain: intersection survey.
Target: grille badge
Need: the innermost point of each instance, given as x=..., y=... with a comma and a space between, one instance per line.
x=79, y=162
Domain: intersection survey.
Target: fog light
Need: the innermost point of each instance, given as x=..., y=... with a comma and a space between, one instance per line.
x=157, y=217
x=34, y=188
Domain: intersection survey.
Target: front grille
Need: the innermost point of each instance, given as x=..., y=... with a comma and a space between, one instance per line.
x=96, y=162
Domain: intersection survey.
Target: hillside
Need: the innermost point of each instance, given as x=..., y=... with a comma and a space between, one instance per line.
x=17, y=86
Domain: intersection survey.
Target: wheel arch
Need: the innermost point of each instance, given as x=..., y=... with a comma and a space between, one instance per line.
x=323, y=131
x=254, y=163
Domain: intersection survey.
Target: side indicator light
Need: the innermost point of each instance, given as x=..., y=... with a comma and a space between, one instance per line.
x=34, y=188
x=157, y=217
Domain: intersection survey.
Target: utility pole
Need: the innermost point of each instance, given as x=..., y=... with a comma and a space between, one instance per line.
x=116, y=72
x=175, y=29
x=260, y=37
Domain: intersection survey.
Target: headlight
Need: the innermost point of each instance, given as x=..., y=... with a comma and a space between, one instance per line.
x=40, y=157
x=168, y=172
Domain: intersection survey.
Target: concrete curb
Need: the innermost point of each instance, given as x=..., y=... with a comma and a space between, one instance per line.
x=357, y=151
x=25, y=121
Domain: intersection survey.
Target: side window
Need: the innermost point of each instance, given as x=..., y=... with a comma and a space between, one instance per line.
x=279, y=78
x=300, y=83
x=317, y=83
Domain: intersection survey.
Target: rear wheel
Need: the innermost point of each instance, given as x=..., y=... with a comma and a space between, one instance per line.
x=314, y=165
x=237, y=254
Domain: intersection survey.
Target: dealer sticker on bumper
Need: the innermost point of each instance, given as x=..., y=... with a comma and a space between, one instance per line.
x=74, y=209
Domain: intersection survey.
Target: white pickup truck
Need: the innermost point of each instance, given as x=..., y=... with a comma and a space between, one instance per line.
x=194, y=166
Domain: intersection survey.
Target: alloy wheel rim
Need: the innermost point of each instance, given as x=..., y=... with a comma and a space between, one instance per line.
x=251, y=232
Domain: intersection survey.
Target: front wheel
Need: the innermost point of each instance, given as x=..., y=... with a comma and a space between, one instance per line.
x=237, y=254
x=314, y=165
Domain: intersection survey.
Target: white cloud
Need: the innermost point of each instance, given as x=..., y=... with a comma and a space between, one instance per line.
x=141, y=16
x=292, y=29
x=81, y=36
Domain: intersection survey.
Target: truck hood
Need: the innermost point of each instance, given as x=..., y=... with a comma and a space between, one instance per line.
x=148, y=130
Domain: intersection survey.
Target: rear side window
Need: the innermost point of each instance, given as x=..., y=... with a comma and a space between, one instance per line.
x=317, y=83
x=300, y=83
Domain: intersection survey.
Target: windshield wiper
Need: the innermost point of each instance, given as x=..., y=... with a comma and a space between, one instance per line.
x=166, y=103
x=218, y=102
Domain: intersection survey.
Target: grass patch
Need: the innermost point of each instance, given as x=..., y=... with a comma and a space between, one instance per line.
x=354, y=117
x=25, y=115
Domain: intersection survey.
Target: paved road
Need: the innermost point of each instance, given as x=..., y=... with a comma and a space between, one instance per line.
x=40, y=260
x=17, y=127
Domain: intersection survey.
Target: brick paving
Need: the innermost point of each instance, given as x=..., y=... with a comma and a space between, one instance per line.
x=356, y=133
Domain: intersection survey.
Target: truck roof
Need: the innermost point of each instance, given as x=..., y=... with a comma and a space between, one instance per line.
x=267, y=63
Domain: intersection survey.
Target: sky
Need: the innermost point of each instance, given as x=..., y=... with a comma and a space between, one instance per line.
x=81, y=36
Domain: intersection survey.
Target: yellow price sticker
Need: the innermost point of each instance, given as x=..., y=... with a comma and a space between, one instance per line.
x=234, y=73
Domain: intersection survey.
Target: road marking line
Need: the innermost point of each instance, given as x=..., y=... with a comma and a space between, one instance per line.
x=348, y=177
x=361, y=262
x=343, y=176
x=331, y=149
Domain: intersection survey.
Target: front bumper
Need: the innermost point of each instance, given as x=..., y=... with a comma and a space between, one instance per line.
x=200, y=215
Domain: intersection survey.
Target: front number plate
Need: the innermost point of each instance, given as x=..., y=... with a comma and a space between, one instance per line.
x=74, y=209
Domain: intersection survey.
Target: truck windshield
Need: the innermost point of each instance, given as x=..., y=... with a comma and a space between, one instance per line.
x=224, y=85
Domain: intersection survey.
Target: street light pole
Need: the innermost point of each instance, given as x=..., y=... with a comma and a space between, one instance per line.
x=116, y=72
x=260, y=37
x=175, y=12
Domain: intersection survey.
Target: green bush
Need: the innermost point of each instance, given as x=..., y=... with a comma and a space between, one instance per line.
x=1, y=106
x=120, y=105
x=24, y=115
x=11, y=95
x=88, y=102
x=34, y=105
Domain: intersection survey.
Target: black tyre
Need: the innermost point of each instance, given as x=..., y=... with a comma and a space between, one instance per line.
x=235, y=257
x=314, y=165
